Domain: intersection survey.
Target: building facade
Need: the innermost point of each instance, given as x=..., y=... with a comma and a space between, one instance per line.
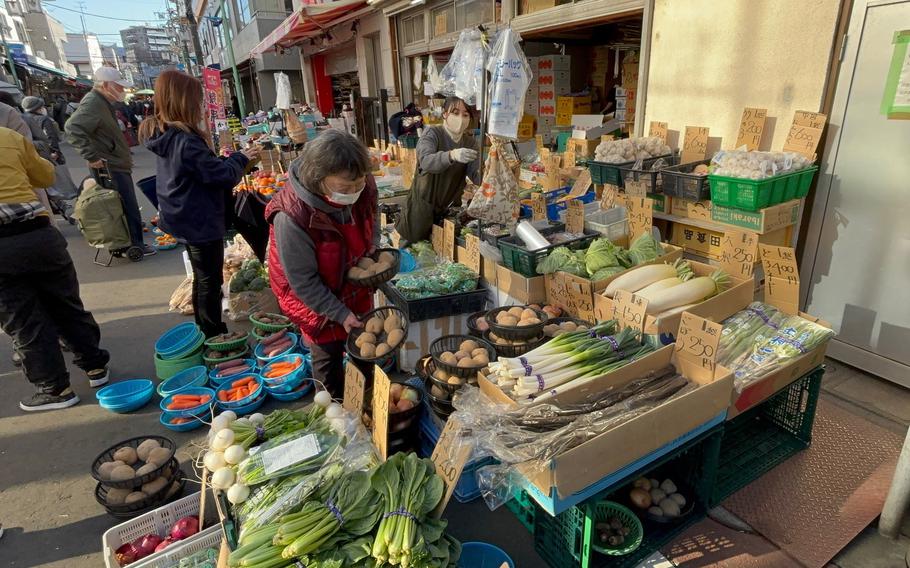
x=48, y=38
x=83, y=53
x=149, y=51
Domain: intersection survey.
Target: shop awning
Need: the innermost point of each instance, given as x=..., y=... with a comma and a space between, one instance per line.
x=311, y=20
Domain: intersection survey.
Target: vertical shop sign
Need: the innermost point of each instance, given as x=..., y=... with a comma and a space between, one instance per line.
x=214, y=99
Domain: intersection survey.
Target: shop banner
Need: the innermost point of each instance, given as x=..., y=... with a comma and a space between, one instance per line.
x=214, y=100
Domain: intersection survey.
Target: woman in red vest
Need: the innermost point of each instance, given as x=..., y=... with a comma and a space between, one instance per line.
x=322, y=223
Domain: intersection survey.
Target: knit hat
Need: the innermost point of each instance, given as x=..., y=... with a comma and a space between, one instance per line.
x=30, y=104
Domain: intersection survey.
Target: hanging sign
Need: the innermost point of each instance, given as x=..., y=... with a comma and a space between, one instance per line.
x=640, y=211
x=214, y=99
x=805, y=132
x=472, y=246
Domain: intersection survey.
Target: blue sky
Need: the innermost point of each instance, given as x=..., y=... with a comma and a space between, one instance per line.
x=107, y=29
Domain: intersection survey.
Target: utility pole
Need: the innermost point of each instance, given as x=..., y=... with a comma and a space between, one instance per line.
x=194, y=32
x=226, y=32
x=88, y=52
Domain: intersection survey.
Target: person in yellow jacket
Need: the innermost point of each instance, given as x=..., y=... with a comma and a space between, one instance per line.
x=39, y=291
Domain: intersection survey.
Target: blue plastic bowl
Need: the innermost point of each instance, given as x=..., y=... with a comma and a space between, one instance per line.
x=177, y=339
x=291, y=357
x=124, y=391
x=215, y=380
x=302, y=389
x=482, y=555
x=301, y=346
x=408, y=263
x=167, y=416
x=235, y=404
x=196, y=410
x=286, y=385
x=249, y=407
x=135, y=402
x=191, y=377
x=264, y=360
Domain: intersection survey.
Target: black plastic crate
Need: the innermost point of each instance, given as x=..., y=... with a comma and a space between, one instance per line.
x=764, y=437
x=602, y=172
x=437, y=306
x=645, y=173
x=679, y=181
x=517, y=258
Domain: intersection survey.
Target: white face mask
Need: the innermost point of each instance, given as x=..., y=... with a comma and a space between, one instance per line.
x=457, y=124
x=344, y=198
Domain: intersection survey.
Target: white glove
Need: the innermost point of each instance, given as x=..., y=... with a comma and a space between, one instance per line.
x=463, y=155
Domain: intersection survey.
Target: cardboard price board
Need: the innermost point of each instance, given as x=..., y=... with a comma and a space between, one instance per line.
x=472, y=246
x=629, y=310
x=697, y=340
x=695, y=144
x=450, y=456
x=636, y=188
x=738, y=253
x=437, y=239
x=658, y=129
x=751, y=127
x=381, y=387
x=781, y=277
x=575, y=217
x=354, y=389
x=581, y=185
x=640, y=211
x=805, y=132
x=580, y=299
x=448, y=247
x=538, y=207
x=608, y=196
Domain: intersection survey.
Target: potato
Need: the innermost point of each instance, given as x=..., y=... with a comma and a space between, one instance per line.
x=145, y=447
x=105, y=469
x=494, y=337
x=395, y=337
x=134, y=497
x=357, y=273
x=382, y=349
x=508, y=321
x=551, y=329
x=365, y=337
x=568, y=326
x=528, y=322
x=375, y=325
x=122, y=473
x=468, y=345
x=147, y=468
x=481, y=359
x=455, y=381
x=127, y=455
x=159, y=456
x=386, y=257
x=380, y=267
x=365, y=262
x=462, y=355
x=439, y=392
x=482, y=324
x=516, y=311
x=449, y=358
x=501, y=315
x=467, y=362
x=155, y=485
x=528, y=313
x=478, y=351
x=116, y=496
x=391, y=323
x=368, y=350
x=441, y=375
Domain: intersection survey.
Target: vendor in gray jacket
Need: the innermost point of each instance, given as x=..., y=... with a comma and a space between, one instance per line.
x=446, y=155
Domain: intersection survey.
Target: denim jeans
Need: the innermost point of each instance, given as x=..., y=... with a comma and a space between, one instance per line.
x=123, y=183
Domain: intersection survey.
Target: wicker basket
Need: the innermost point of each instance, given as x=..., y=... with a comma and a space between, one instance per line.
x=452, y=343
x=384, y=312
x=272, y=327
x=515, y=350
x=375, y=280
x=601, y=511
x=108, y=455
x=509, y=332
x=472, y=323
x=154, y=500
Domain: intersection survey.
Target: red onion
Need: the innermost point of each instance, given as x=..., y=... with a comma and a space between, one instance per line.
x=126, y=554
x=164, y=544
x=146, y=545
x=185, y=528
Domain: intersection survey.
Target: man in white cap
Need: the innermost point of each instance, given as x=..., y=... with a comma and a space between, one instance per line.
x=94, y=132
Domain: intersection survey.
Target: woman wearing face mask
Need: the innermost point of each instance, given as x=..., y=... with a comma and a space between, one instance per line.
x=445, y=156
x=193, y=187
x=323, y=222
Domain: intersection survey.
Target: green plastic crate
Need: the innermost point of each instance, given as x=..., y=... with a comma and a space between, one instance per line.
x=764, y=437
x=523, y=506
x=519, y=259
x=563, y=541
x=753, y=195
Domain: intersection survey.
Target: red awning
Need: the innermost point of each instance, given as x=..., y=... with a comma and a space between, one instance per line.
x=311, y=20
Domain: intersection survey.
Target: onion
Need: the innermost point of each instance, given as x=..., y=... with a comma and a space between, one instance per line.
x=338, y=425
x=238, y=493
x=146, y=545
x=223, y=439
x=234, y=454
x=213, y=461
x=257, y=418
x=323, y=398
x=223, y=478
x=334, y=410
x=185, y=528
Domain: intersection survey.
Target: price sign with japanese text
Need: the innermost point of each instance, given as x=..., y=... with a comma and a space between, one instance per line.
x=354, y=388
x=781, y=277
x=538, y=206
x=629, y=310
x=751, y=127
x=438, y=240
x=448, y=247
x=738, y=253
x=608, y=196
x=449, y=457
x=658, y=129
x=575, y=216
x=581, y=185
x=581, y=299
x=697, y=340
x=635, y=188
x=472, y=246
x=640, y=211
x=695, y=144
x=805, y=133
x=381, y=387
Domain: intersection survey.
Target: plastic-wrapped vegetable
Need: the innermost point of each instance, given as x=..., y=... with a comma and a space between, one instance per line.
x=440, y=280
x=296, y=452
x=753, y=164
x=630, y=150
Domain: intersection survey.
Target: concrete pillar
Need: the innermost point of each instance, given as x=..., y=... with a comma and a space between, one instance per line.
x=898, y=500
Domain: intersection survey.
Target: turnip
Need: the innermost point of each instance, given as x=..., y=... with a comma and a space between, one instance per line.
x=219, y=423
x=334, y=410
x=213, y=461
x=234, y=454
x=229, y=414
x=223, y=478
x=323, y=398
x=223, y=439
x=257, y=418
x=238, y=493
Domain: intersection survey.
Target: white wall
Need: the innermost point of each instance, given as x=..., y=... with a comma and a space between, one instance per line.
x=709, y=60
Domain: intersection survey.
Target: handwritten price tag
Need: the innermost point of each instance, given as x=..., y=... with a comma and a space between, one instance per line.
x=354, y=387
x=581, y=185
x=738, y=253
x=575, y=217
x=805, y=133
x=751, y=127
x=636, y=188
x=472, y=246
x=695, y=144
x=781, y=277
x=448, y=247
x=640, y=211
x=381, y=387
x=608, y=196
x=449, y=457
x=697, y=340
x=538, y=207
x=437, y=239
x=629, y=310
x=658, y=129
x=581, y=299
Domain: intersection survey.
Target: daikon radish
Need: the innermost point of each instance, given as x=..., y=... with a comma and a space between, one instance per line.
x=691, y=292
x=637, y=278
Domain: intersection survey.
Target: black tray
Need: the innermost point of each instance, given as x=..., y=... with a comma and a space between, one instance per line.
x=437, y=306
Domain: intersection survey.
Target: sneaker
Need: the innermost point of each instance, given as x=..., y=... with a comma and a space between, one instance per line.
x=48, y=401
x=17, y=359
x=149, y=250
x=98, y=377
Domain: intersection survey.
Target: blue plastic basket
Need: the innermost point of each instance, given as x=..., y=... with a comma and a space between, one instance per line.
x=302, y=370
x=302, y=389
x=264, y=360
x=196, y=410
x=124, y=391
x=482, y=555
x=248, y=408
x=133, y=402
x=237, y=404
x=167, y=416
x=187, y=378
x=178, y=340
x=215, y=380
x=408, y=263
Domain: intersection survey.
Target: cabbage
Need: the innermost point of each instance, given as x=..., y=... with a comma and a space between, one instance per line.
x=645, y=248
x=601, y=254
x=607, y=272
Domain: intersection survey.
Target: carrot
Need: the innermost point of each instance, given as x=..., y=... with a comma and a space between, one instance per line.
x=185, y=397
x=224, y=396
x=177, y=405
x=181, y=420
x=204, y=399
x=243, y=382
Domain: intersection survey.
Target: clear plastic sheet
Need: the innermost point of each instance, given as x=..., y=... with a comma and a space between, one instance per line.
x=630, y=149
x=755, y=165
x=533, y=436
x=462, y=76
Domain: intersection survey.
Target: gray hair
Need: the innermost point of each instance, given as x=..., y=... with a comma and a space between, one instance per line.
x=333, y=152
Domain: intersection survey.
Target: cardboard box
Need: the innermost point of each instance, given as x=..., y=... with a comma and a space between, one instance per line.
x=532, y=108
x=761, y=221
x=700, y=210
x=736, y=297
x=567, y=107
x=577, y=295
x=582, y=148
x=706, y=242
x=556, y=63
x=487, y=267
x=591, y=126
x=572, y=472
x=662, y=203
x=545, y=123
x=513, y=288
x=547, y=102
x=526, y=127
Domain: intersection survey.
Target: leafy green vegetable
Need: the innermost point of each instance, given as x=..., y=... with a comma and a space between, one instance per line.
x=645, y=248
x=601, y=254
x=607, y=272
x=555, y=261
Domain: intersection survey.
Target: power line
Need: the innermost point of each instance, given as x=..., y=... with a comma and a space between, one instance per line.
x=104, y=17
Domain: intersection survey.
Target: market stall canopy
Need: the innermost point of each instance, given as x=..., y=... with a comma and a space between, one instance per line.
x=9, y=88
x=310, y=20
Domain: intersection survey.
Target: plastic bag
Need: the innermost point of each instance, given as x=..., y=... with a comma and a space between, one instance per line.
x=497, y=200
x=182, y=298
x=510, y=77
x=283, y=90
x=462, y=76
x=757, y=165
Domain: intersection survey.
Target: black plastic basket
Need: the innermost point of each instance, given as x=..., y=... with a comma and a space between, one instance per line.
x=108, y=455
x=645, y=173
x=515, y=332
x=397, y=418
x=430, y=368
x=385, y=311
x=602, y=172
x=679, y=181
x=472, y=323
x=452, y=343
x=514, y=350
x=375, y=280
x=153, y=500
x=436, y=306
x=517, y=258
x=441, y=407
